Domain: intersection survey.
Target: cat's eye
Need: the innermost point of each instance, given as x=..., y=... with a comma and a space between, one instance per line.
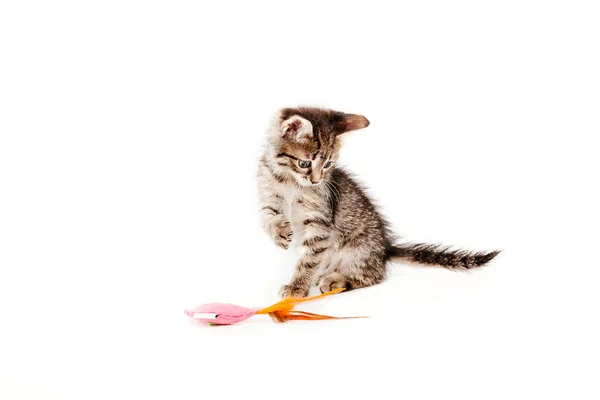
x=303, y=163
x=328, y=164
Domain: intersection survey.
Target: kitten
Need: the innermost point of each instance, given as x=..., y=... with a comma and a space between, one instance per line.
x=304, y=198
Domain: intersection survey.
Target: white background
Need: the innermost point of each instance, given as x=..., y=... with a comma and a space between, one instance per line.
x=129, y=137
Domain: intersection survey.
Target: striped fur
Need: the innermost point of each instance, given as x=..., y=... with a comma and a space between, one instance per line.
x=323, y=212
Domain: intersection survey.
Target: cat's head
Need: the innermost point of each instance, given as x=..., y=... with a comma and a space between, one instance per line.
x=306, y=141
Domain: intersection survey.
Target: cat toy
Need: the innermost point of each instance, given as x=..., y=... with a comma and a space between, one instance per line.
x=227, y=314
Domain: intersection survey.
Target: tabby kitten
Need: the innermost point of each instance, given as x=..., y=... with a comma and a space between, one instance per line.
x=308, y=203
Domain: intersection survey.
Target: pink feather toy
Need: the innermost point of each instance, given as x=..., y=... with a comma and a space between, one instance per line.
x=227, y=314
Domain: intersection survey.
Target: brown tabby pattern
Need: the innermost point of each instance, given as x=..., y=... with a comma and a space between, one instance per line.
x=307, y=201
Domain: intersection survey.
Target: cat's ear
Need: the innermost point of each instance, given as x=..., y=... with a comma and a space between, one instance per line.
x=352, y=122
x=296, y=128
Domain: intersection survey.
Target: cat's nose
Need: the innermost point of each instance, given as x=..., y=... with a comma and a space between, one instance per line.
x=316, y=178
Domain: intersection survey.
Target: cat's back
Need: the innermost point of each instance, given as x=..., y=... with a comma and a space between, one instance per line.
x=353, y=203
x=350, y=188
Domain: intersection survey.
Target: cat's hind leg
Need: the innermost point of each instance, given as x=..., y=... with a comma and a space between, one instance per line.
x=353, y=269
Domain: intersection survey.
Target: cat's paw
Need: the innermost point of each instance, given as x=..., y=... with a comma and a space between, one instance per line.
x=332, y=282
x=283, y=235
x=292, y=291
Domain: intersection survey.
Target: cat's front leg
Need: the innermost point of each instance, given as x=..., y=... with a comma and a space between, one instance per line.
x=302, y=280
x=276, y=225
x=315, y=242
x=274, y=222
x=281, y=233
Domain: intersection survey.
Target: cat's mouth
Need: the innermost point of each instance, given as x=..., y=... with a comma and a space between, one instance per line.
x=307, y=183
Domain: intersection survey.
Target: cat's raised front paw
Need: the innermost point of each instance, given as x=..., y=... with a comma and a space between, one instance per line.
x=283, y=235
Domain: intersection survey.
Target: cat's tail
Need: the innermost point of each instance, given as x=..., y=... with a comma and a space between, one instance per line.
x=436, y=255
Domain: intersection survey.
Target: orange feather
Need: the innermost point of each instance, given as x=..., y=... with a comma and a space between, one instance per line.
x=284, y=310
